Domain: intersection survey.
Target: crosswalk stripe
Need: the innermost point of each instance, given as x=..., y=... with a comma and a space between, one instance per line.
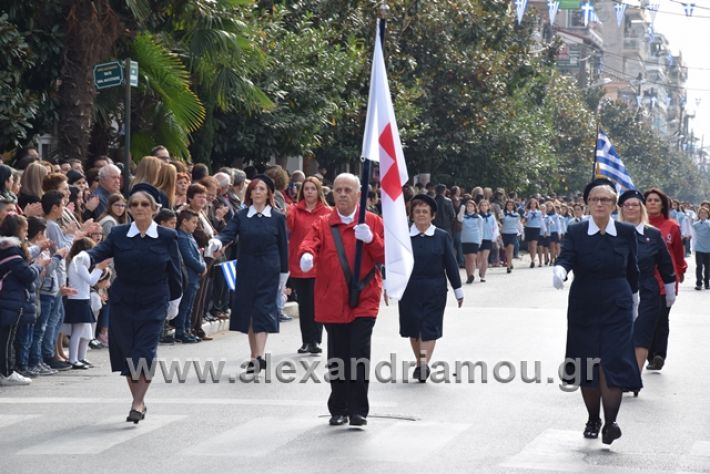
x=99, y=437
x=553, y=450
x=7, y=420
x=420, y=439
x=255, y=438
x=701, y=448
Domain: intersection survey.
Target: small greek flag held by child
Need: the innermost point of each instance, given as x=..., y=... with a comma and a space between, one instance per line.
x=229, y=270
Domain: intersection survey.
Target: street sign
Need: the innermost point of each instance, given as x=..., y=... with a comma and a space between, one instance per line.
x=108, y=75
x=134, y=74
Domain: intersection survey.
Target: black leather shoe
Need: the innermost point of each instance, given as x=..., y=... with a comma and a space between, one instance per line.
x=262, y=363
x=610, y=432
x=656, y=363
x=303, y=349
x=591, y=430
x=134, y=416
x=358, y=420
x=424, y=373
x=313, y=348
x=417, y=374
x=337, y=420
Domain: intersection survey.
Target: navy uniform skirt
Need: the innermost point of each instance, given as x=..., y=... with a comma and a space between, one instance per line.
x=421, y=310
x=78, y=311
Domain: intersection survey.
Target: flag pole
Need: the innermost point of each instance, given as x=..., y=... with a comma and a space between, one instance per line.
x=365, y=182
x=594, y=158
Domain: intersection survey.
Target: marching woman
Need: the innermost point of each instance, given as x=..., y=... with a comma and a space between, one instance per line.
x=471, y=236
x=421, y=310
x=310, y=205
x=490, y=234
x=603, y=300
x=262, y=269
x=654, y=262
x=533, y=223
x=554, y=228
x=511, y=224
x=148, y=276
x=658, y=205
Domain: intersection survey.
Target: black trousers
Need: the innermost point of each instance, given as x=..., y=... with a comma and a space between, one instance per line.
x=702, y=260
x=659, y=346
x=311, y=331
x=349, y=364
x=7, y=349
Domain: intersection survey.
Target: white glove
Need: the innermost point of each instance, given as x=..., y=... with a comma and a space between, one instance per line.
x=637, y=299
x=306, y=263
x=283, y=277
x=363, y=232
x=670, y=294
x=559, y=274
x=458, y=293
x=212, y=246
x=173, y=308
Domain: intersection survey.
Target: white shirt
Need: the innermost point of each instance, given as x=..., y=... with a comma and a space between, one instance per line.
x=347, y=219
x=610, y=227
x=413, y=231
x=79, y=278
x=133, y=231
x=252, y=211
x=639, y=228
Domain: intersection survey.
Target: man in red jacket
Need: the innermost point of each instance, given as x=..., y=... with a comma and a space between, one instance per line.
x=349, y=328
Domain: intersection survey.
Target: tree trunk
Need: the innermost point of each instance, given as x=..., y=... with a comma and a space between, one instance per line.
x=91, y=28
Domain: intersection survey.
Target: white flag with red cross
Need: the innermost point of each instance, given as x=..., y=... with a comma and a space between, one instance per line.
x=381, y=144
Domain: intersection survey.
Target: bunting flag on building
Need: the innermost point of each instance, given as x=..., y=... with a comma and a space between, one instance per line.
x=620, y=11
x=520, y=6
x=552, y=7
x=688, y=9
x=381, y=144
x=608, y=164
x=653, y=9
x=587, y=11
x=229, y=270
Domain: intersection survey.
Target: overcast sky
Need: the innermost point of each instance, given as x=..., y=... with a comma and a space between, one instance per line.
x=691, y=36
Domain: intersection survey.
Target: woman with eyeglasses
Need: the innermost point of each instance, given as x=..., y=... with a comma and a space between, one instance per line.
x=603, y=301
x=655, y=266
x=148, y=276
x=658, y=205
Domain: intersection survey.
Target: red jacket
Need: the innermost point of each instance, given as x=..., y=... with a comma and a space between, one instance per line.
x=299, y=222
x=331, y=288
x=670, y=231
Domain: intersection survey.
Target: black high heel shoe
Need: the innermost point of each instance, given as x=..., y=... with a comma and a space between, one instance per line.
x=135, y=416
x=591, y=430
x=610, y=432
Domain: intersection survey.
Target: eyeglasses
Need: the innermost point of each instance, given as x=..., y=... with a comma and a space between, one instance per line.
x=604, y=201
x=140, y=203
x=631, y=204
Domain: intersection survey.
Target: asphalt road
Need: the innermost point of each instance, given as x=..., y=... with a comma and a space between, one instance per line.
x=74, y=422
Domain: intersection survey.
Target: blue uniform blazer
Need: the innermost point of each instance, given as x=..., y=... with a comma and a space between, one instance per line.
x=148, y=271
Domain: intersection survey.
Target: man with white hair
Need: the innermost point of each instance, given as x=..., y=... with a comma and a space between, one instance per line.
x=109, y=183
x=348, y=316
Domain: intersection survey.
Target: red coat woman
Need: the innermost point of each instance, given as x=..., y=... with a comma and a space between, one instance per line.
x=658, y=207
x=310, y=205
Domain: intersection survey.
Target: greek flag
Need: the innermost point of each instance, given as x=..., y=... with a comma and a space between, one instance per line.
x=608, y=164
x=229, y=270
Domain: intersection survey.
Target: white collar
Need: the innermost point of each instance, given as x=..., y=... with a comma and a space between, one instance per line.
x=639, y=228
x=252, y=211
x=413, y=231
x=610, y=227
x=151, y=232
x=347, y=219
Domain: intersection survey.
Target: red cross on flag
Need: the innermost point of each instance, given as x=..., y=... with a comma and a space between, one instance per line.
x=381, y=143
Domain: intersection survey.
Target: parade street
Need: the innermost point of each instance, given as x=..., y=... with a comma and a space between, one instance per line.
x=75, y=421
